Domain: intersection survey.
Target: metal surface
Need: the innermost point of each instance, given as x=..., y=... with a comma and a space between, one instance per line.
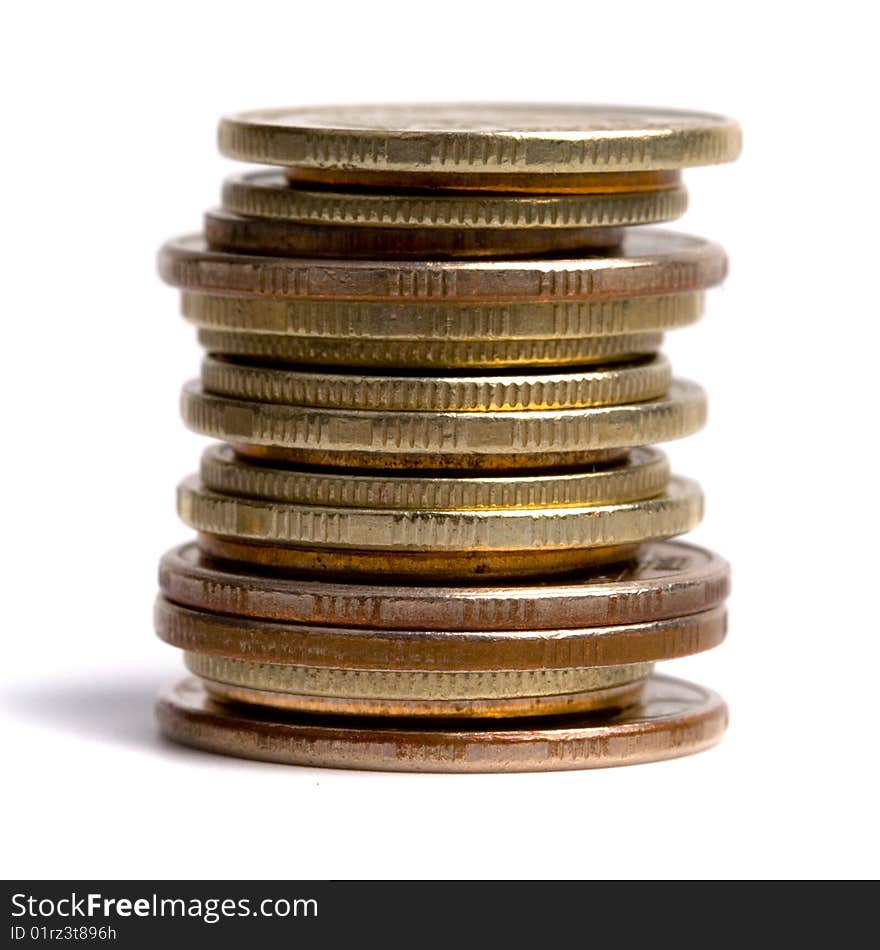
x=674, y=719
x=382, y=648
x=615, y=385
x=668, y=579
x=650, y=262
x=440, y=440
x=476, y=138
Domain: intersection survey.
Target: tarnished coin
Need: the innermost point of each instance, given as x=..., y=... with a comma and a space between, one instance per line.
x=269, y=194
x=343, y=683
x=667, y=580
x=480, y=138
x=674, y=718
x=650, y=262
x=409, y=565
x=421, y=322
x=499, y=392
x=443, y=440
x=644, y=474
x=612, y=697
x=384, y=648
x=225, y=231
x=674, y=511
x=432, y=354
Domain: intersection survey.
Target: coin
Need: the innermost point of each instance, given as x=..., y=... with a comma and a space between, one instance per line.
x=432, y=354
x=674, y=511
x=420, y=321
x=443, y=440
x=644, y=474
x=675, y=718
x=616, y=697
x=477, y=138
x=408, y=565
x=342, y=683
x=650, y=262
x=231, y=232
x=269, y=194
x=668, y=579
x=575, y=389
x=381, y=647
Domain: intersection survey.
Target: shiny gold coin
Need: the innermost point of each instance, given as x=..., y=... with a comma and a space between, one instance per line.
x=480, y=138
x=269, y=194
x=667, y=580
x=422, y=323
x=673, y=719
x=443, y=440
x=677, y=510
x=650, y=262
x=432, y=354
x=225, y=231
x=612, y=697
x=410, y=684
x=575, y=389
x=644, y=474
x=407, y=565
x=381, y=647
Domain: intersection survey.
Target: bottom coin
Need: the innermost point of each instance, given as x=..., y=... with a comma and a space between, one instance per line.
x=612, y=697
x=674, y=718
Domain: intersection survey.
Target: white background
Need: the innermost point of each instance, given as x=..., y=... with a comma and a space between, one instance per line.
x=108, y=127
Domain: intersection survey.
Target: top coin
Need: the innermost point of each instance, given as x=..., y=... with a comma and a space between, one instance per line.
x=478, y=138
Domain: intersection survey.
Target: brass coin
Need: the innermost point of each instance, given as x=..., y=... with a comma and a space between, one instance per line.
x=678, y=509
x=409, y=684
x=650, y=262
x=432, y=354
x=668, y=579
x=613, y=697
x=408, y=565
x=644, y=474
x=443, y=440
x=269, y=194
x=575, y=389
x=225, y=231
x=344, y=321
x=558, y=183
x=382, y=647
x=674, y=718
x=480, y=138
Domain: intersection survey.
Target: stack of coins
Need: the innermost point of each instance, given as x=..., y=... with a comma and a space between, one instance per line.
x=435, y=533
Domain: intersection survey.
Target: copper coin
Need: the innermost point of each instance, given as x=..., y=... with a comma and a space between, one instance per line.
x=225, y=231
x=650, y=262
x=613, y=697
x=667, y=579
x=451, y=650
x=673, y=719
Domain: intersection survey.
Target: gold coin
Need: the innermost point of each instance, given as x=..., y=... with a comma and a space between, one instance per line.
x=410, y=684
x=575, y=389
x=381, y=647
x=615, y=697
x=442, y=440
x=650, y=262
x=432, y=354
x=475, y=138
x=644, y=474
x=667, y=580
x=225, y=231
x=345, y=321
x=675, y=511
x=269, y=194
x=673, y=719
